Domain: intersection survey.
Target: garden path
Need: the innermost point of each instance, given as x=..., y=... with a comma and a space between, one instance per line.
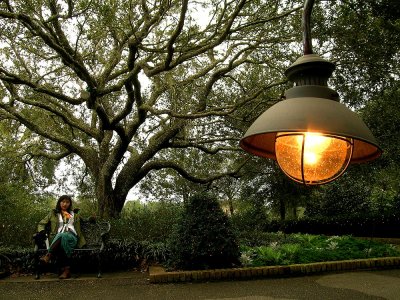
x=382, y=284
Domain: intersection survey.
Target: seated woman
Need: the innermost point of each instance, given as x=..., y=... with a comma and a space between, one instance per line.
x=65, y=233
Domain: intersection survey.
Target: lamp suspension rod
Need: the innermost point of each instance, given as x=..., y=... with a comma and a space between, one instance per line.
x=307, y=41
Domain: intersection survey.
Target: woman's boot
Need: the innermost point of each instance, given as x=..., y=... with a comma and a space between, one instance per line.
x=46, y=258
x=66, y=274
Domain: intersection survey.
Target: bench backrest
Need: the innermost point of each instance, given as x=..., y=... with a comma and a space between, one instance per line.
x=93, y=231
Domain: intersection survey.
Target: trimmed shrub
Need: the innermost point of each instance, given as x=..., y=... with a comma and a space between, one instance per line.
x=203, y=237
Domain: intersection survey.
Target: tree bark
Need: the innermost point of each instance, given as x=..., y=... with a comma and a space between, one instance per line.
x=110, y=203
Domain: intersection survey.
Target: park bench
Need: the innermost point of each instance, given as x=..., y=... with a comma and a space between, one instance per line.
x=95, y=233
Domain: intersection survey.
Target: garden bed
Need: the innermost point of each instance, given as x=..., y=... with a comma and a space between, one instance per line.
x=288, y=249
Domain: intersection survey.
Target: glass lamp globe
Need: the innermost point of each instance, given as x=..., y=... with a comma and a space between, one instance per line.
x=311, y=157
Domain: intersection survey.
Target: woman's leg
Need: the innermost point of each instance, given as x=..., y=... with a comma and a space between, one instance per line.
x=62, y=246
x=54, y=248
x=65, y=262
x=68, y=243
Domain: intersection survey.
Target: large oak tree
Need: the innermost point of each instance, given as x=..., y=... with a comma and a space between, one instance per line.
x=119, y=84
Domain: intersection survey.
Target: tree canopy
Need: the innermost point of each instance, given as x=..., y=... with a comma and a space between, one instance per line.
x=132, y=87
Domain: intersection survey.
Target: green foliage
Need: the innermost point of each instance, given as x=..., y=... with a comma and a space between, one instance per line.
x=157, y=252
x=364, y=38
x=87, y=205
x=20, y=213
x=16, y=259
x=304, y=248
x=129, y=253
x=22, y=200
x=151, y=222
x=265, y=256
x=249, y=218
x=33, y=173
x=203, y=237
x=346, y=197
x=375, y=225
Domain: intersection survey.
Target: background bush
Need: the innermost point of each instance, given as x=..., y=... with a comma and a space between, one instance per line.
x=153, y=221
x=20, y=214
x=365, y=225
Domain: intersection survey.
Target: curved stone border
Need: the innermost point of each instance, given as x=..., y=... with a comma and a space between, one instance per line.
x=159, y=275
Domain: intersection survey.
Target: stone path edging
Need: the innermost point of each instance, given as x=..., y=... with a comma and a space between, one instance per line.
x=159, y=275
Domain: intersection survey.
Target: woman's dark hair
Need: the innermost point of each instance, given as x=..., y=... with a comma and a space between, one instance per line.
x=58, y=205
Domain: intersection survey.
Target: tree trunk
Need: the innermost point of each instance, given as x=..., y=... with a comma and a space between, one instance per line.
x=110, y=204
x=107, y=209
x=282, y=209
x=231, y=208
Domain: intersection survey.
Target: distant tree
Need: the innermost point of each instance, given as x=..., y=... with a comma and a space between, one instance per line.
x=362, y=37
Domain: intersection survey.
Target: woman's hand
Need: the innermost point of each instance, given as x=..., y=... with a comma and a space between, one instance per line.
x=66, y=215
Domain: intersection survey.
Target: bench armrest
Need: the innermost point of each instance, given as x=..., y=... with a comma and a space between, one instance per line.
x=40, y=240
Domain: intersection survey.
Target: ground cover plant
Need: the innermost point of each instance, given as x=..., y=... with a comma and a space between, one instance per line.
x=286, y=249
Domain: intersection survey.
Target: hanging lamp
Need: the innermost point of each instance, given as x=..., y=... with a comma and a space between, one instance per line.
x=312, y=136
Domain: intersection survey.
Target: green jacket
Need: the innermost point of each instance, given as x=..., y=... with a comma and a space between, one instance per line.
x=52, y=220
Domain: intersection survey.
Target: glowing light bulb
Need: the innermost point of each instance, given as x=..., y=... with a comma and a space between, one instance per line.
x=311, y=157
x=314, y=146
